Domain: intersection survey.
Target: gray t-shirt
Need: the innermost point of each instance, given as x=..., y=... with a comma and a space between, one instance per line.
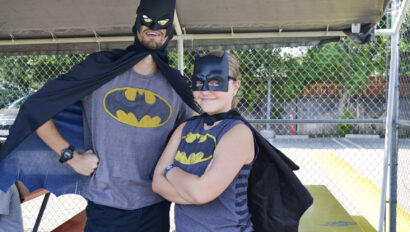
x=10, y=211
x=126, y=123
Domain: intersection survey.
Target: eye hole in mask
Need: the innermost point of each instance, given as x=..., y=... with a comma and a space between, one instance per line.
x=163, y=22
x=146, y=19
x=199, y=84
x=213, y=83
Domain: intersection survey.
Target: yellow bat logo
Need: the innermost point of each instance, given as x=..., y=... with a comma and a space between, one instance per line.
x=137, y=107
x=200, y=142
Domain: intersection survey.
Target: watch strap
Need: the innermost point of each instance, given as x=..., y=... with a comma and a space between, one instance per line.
x=69, y=148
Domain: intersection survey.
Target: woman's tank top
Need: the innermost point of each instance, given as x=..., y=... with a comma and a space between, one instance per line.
x=228, y=212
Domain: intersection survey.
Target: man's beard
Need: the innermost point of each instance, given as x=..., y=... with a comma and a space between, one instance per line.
x=151, y=44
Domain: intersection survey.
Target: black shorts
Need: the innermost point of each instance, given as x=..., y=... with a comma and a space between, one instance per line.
x=154, y=218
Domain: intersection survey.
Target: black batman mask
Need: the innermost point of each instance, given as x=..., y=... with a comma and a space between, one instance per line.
x=155, y=14
x=211, y=73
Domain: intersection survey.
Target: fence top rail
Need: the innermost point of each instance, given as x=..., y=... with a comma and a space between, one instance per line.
x=403, y=122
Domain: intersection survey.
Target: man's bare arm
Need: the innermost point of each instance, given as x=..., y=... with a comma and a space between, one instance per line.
x=84, y=163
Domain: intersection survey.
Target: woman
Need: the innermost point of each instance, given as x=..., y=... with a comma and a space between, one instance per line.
x=205, y=167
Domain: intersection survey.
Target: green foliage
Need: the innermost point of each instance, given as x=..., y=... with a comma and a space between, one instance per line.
x=345, y=128
x=347, y=64
x=258, y=66
x=276, y=113
x=405, y=47
x=22, y=75
x=344, y=63
x=188, y=63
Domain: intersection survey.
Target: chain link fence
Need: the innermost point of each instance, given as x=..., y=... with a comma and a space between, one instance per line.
x=328, y=84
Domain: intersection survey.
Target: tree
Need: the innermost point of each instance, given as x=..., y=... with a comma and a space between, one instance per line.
x=258, y=66
x=347, y=64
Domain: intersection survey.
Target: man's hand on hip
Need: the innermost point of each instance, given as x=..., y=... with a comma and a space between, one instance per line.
x=85, y=163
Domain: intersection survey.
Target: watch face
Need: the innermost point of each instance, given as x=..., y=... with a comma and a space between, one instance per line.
x=67, y=155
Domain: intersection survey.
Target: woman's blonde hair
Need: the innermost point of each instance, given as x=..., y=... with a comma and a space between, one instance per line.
x=233, y=70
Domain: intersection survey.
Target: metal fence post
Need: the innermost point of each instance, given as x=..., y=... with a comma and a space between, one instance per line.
x=390, y=157
x=395, y=42
x=180, y=49
x=268, y=105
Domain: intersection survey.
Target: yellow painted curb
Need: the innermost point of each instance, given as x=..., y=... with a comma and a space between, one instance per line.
x=362, y=192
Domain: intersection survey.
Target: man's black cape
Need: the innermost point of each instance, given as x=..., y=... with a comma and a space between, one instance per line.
x=276, y=197
x=25, y=157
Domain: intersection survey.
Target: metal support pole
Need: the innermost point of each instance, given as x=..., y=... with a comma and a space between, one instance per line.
x=268, y=107
x=391, y=147
x=106, y=39
x=41, y=212
x=180, y=43
x=395, y=45
x=180, y=49
x=396, y=24
x=394, y=161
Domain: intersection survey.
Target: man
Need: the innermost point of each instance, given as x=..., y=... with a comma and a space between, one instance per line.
x=10, y=210
x=131, y=100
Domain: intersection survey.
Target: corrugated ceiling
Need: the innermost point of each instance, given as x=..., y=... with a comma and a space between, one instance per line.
x=45, y=19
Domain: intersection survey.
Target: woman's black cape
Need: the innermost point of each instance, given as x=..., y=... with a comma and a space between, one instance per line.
x=276, y=197
x=26, y=158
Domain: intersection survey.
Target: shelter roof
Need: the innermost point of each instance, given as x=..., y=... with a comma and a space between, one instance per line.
x=258, y=22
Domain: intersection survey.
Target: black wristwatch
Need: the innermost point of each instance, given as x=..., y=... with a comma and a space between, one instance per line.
x=67, y=154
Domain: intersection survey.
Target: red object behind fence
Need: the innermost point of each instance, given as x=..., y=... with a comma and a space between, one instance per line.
x=292, y=129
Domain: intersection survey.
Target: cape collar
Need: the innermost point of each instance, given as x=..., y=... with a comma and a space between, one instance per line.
x=211, y=119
